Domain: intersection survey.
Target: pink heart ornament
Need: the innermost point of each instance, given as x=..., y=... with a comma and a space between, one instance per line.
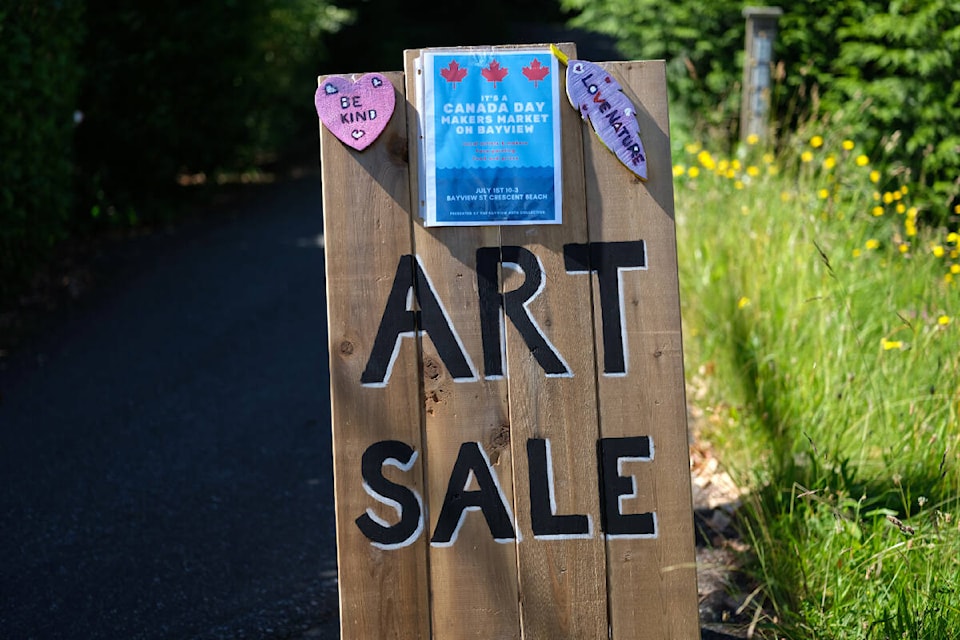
x=356, y=112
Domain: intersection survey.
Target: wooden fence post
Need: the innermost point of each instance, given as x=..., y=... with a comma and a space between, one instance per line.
x=757, y=59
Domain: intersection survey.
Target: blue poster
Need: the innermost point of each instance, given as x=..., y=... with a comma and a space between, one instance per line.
x=490, y=121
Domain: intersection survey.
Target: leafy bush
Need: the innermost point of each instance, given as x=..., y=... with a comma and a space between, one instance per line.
x=196, y=87
x=885, y=70
x=38, y=43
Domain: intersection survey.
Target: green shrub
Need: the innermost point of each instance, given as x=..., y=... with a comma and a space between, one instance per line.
x=884, y=70
x=196, y=87
x=38, y=42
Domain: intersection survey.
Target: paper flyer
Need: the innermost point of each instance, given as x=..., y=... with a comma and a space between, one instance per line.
x=490, y=120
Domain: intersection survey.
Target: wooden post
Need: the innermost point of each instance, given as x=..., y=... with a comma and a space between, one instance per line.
x=607, y=442
x=761, y=33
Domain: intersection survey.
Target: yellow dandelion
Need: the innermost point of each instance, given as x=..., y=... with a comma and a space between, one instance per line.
x=692, y=148
x=753, y=139
x=806, y=156
x=953, y=237
x=897, y=195
x=956, y=209
x=743, y=302
x=901, y=208
x=847, y=145
x=912, y=213
x=768, y=158
x=735, y=165
x=829, y=163
x=738, y=185
x=889, y=345
x=862, y=160
x=877, y=211
x=856, y=253
x=943, y=320
x=693, y=172
x=876, y=196
x=910, y=227
x=904, y=189
x=948, y=278
x=955, y=269
x=887, y=197
x=785, y=196
x=823, y=194
x=678, y=170
x=731, y=174
x=937, y=250
x=872, y=244
x=955, y=254
x=904, y=248
x=706, y=160
x=874, y=176
x=816, y=142
x=773, y=169
x=753, y=171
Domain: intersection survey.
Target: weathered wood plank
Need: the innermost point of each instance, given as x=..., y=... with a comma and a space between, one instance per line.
x=473, y=581
x=366, y=202
x=562, y=578
x=652, y=580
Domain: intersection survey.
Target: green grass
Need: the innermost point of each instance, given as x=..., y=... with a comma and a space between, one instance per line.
x=822, y=320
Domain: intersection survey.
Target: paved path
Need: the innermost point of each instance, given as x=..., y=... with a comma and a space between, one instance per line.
x=164, y=447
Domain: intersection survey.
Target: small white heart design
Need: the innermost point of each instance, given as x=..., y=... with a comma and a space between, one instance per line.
x=357, y=134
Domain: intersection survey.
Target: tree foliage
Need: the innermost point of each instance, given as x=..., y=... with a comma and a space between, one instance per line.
x=38, y=42
x=885, y=70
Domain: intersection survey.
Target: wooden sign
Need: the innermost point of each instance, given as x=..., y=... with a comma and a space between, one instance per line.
x=509, y=421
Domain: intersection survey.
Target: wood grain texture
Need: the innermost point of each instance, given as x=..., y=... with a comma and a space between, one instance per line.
x=473, y=583
x=366, y=201
x=652, y=582
x=562, y=581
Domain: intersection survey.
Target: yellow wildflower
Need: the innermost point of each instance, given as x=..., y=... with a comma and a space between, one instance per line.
x=768, y=158
x=937, y=250
x=955, y=269
x=692, y=148
x=823, y=194
x=874, y=176
x=753, y=171
x=753, y=139
x=877, y=211
x=953, y=237
x=731, y=174
x=956, y=209
x=816, y=142
x=738, y=185
x=891, y=344
x=735, y=164
x=872, y=244
x=830, y=162
x=806, y=156
x=887, y=197
x=856, y=253
x=706, y=160
x=693, y=172
x=904, y=248
x=773, y=169
x=847, y=145
x=862, y=160
x=743, y=302
x=943, y=320
x=904, y=190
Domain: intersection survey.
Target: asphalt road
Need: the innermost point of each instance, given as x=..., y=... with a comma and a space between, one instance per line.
x=165, y=463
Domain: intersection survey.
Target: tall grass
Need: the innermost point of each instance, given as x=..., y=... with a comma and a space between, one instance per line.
x=823, y=321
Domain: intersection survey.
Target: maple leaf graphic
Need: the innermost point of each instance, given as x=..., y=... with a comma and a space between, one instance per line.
x=453, y=72
x=535, y=72
x=494, y=73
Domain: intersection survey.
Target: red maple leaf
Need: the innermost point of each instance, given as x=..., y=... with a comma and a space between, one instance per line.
x=535, y=72
x=494, y=73
x=453, y=72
